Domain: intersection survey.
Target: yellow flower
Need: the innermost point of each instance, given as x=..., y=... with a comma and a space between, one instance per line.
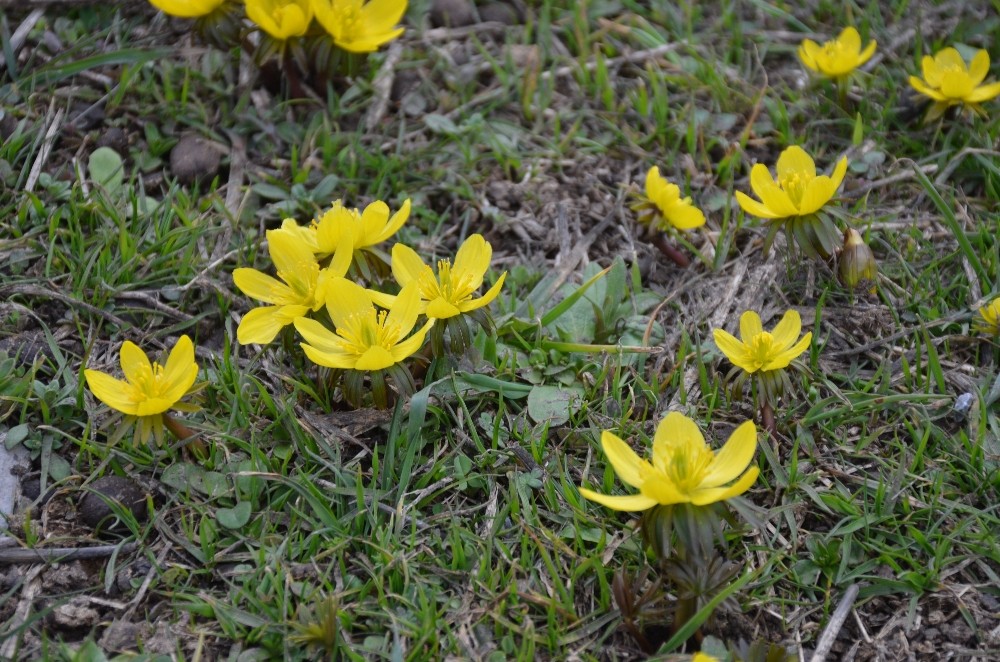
x=762, y=350
x=663, y=205
x=949, y=82
x=702, y=657
x=149, y=389
x=837, y=57
x=303, y=286
x=358, y=26
x=366, y=229
x=282, y=19
x=366, y=338
x=684, y=468
x=798, y=191
x=990, y=314
x=449, y=293
x=187, y=8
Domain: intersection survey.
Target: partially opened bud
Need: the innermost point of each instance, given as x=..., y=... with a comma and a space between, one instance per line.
x=857, y=266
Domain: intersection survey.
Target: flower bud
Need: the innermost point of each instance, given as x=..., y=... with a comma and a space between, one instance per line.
x=857, y=268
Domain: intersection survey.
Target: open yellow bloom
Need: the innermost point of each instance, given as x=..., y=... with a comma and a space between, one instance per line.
x=358, y=26
x=798, y=191
x=664, y=206
x=149, y=389
x=684, y=468
x=762, y=350
x=838, y=57
x=303, y=286
x=187, y=8
x=282, y=19
x=949, y=82
x=449, y=293
x=363, y=229
x=990, y=317
x=366, y=338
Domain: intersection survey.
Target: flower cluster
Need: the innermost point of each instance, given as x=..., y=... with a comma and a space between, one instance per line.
x=365, y=333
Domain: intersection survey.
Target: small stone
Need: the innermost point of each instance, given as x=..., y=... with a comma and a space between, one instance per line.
x=75, y=614
x=115, y=138
x=94, y=509
x=499, y=12
x=122, y=636
x=194, y=159
x=452, y=13
x=8, y=124
x=86, y=116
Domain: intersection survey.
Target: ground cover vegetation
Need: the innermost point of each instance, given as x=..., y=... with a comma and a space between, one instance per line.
x=505, y=330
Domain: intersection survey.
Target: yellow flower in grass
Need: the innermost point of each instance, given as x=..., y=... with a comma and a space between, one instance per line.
x=366, y=339
x=449, y=292
x=365, y=229
x=760, y=350
x=684, y=469
x=838, y=57
x=149, y=389
x=302, y=287
x=798, y=191
x=949, y=82
x=187, y=8
x=358, y=26
x=989, y=321
x=282, y=19
x=664, y=207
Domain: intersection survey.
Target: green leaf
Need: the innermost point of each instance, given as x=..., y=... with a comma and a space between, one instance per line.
x=235, y=517
x=58, y=467
x=16, y=435
x=551, y=404
x=107, y=170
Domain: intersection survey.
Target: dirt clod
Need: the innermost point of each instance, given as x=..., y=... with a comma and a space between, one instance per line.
x=194, y=159
x=499, y=12
x=75, y=614
x=114, y=138
x=94, y=509
x=452, y=13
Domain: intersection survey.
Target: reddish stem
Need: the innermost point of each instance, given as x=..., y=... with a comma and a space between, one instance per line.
x=184, y=433
x=767, y=414
x=678, y=258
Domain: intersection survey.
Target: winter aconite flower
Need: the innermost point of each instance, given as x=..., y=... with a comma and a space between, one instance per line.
x=663, y=206
x=856, y=265
x=149, y=389
x=302, y=286
x=365, y=230
x=763, y=355
x=359, y=26
x=187, y=8
x=989, y=314
x=282, y=19
x=794, y=198
x=838, y=57
x=684, y=469
x=949, y=82
x=764, y=350
x=367, y=341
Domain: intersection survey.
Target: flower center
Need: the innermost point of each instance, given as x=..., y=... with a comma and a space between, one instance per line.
x=348, y=17
x=794, y=184
x=687, y=463
x=151, y=385
x=833, y=51
x=367, y=330
x=451, y=287
x=762, y=348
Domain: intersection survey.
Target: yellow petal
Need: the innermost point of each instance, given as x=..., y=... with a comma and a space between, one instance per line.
x=262, y=287
x=733, y=457
x=410, y=346
x=662, y=490
x=491, y=294
x=120, y=396
x=750, y=326
x=754, y=208
x=347, y=299
x=289, y=253
x=374, y=358
x=850, y=39
x=931, y=71
x=379, y=16
x=866, y=54
x=771, y=195
x=787, y=356
x=319, y=336
x=381, y=299
x=181, y=371
x=405, y=309
x=186, y=8
x=786, y=332
x=261, y=325
x=715, y=494
x=655, y=184
x=924, y=89
x=373, y=222
x=984, y=93
x=629, y=467
x=979, y=67
x=135, y=364
x=794, y=161
x=807, y=53
x=472, y=260
x=686, y=217
x=407, y=267
x=336, y=360
x=440, y=308
x=632, y=503
x=675, y=429
x=732, y=348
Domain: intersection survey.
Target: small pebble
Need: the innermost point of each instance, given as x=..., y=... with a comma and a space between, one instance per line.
x=194, y=159
x=452, y=13
x=94, y=509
